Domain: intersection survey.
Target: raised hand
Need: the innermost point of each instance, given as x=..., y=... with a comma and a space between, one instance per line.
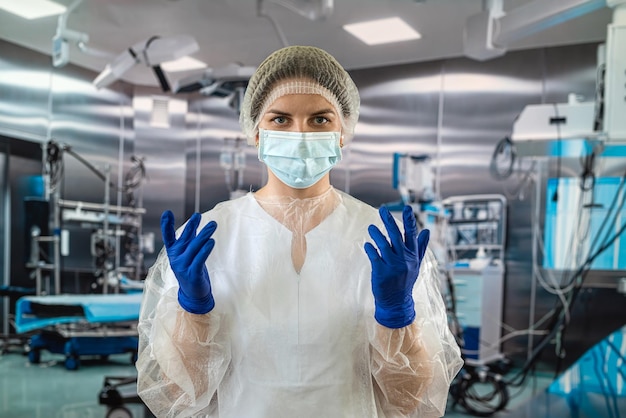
x=395, y=267
x=187, y=256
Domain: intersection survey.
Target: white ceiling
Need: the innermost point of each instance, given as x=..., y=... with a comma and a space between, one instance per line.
x=230, y=31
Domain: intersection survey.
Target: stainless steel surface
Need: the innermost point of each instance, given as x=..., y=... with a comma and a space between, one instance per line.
x=399, y=113
x=212, y=126
x=38, y=103
x=230, y=31
x=454, y=110
x=25, y=86
x=164, y=152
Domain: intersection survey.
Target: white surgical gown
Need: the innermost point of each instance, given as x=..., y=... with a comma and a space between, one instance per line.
x=283, y=343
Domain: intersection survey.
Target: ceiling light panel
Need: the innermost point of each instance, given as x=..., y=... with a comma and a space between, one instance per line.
x=32, y=9
x=185, y=63
x=383, y=31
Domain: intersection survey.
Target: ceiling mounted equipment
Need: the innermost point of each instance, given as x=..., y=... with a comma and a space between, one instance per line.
x=151, y=52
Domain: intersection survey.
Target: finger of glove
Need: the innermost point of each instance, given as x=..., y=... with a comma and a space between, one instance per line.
x=410, y=228
x=200, y=258
x=372, y=253
x=392, y=227
x=167, y=228
x=199, y=242
x=381, y=241
x=190, y=229
x=422, y=242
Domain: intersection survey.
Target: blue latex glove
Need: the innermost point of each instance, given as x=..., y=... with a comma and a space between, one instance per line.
x=187, y=256
x=395, y=267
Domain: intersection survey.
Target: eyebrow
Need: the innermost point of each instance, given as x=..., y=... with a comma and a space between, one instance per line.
x=324, y=111
x=283, y=113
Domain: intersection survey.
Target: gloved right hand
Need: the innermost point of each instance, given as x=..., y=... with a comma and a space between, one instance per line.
x=395, y=267
x=187, y=256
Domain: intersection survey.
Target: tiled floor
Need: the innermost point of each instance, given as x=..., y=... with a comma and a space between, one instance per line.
x=49, y=390
x=518, y=397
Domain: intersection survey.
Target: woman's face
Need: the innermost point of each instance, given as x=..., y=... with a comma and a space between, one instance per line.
x=301, y=113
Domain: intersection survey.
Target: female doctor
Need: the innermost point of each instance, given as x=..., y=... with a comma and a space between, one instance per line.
x=297, y=300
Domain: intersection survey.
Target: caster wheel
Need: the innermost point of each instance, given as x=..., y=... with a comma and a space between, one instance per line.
x=72, y=363
x=34, y=356
x=119, y=412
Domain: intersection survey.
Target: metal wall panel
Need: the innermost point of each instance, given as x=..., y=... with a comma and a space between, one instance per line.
x=401, y=110
x=482, y=101
x=454, y=110
x=215, y=126
x=163, y=148
x=39, y=102
x=25, y=85
x=399, y=113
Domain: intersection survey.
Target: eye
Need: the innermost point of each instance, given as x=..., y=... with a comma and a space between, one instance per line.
x=320, y=120
x=279, y=120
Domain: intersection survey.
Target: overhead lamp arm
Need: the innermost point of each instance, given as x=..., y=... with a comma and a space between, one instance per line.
x=69, y=34
x=536, y=16
x=488, y=33
x=60, y=41
x=151, y=52
x=158, y=71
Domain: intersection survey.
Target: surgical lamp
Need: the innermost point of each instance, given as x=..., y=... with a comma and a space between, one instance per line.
x=229, y=81
x=151, y=52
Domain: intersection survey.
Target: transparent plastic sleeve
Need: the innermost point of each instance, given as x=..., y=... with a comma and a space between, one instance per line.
x=293, y=331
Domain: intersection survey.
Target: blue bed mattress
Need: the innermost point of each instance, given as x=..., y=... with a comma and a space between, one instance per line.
x=37, y=312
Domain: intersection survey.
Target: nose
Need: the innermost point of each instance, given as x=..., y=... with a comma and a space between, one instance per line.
x=299, y=125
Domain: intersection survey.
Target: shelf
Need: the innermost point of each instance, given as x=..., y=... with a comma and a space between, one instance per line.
x=477, y=222
x=471, y=221
x=477, y=246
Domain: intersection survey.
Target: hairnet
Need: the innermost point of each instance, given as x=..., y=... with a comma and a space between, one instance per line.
x=299, y=70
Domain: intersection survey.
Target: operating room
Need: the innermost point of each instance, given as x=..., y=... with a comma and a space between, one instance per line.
x=501, y=123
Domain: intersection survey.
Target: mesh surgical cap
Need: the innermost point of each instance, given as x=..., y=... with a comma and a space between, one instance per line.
x=299, y=70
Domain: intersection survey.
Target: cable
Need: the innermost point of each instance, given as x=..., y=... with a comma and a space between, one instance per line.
x=599, y=108
x=506, y=149
x=587, y=176
x=605, y=222
x=56, y=165
x=597, y=369
x=558, y=325
x=619, y=192
x=133, y=179
x=480, y=402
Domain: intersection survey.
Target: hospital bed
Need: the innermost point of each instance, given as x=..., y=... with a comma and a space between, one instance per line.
x=80, y=325
x=10, y=340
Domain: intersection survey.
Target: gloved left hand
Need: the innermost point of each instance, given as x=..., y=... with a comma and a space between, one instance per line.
x=395, y=267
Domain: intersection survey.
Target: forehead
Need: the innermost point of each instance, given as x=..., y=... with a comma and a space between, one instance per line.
x=306, y=103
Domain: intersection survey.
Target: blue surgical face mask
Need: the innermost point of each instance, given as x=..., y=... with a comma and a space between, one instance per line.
x=299, y=159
